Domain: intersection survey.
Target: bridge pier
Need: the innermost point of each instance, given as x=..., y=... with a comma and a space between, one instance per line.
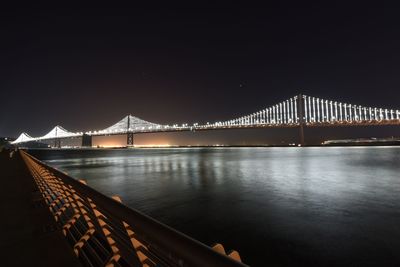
x=129, y=139
x=57, y=143
x=87, y=140
x=302, y=143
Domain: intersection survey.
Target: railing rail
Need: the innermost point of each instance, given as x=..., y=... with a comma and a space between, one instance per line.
x=104, y=232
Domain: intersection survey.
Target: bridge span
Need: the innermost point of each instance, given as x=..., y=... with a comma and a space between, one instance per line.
x=297, y=112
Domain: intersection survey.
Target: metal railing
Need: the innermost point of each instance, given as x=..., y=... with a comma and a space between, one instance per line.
x=104, y=232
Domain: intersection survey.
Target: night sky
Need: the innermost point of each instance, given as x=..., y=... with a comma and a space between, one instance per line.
x=85, y=69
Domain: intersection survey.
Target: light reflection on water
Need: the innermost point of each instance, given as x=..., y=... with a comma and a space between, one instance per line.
x=283, y=206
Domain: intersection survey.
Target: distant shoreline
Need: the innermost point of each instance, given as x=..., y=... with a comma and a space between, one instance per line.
x=222, y=146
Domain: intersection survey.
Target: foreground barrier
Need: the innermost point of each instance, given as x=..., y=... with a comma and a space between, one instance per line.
x=104, y=232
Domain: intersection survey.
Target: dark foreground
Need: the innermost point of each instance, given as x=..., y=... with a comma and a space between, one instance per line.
x=28, y=233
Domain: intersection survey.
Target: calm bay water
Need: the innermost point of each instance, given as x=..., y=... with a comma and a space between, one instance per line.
x=336, y=206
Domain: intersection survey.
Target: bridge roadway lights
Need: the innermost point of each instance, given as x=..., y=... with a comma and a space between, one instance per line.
x=129, y=139
x=87, y=140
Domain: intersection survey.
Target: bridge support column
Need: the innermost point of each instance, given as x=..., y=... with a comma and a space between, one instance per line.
x=87, y=140
x=300, y=111
x=57, y=143
x=129, y=139
x=301, y=135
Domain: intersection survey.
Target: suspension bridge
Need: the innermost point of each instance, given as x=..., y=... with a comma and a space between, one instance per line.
x=299, y=111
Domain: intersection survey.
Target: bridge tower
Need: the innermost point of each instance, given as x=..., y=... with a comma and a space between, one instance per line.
x=87, y=140
x=129, y=134
x=300, y=111
x=57, y=141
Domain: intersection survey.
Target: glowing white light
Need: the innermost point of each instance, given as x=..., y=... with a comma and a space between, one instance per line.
x=305, y=109
x=313, y=103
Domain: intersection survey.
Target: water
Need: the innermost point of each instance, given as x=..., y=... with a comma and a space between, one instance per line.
x=336, y=206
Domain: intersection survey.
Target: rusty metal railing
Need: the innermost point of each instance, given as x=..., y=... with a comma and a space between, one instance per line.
x=104, y=232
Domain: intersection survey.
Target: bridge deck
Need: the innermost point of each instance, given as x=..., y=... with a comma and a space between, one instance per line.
x=28, y=233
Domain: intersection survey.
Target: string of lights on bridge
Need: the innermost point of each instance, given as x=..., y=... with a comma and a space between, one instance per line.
x=302, y=109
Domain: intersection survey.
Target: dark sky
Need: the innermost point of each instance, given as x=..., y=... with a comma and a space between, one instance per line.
x=85, y=69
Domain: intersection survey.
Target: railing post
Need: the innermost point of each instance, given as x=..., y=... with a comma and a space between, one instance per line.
x=141, y=259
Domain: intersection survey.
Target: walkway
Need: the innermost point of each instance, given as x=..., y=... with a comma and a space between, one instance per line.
x=28, y=233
